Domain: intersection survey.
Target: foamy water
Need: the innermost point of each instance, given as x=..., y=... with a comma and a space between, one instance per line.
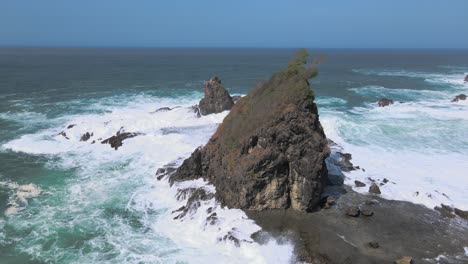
x=144, y=230
x=419, y=145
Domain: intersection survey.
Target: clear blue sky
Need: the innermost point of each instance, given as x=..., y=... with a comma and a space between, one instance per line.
x=236, y=23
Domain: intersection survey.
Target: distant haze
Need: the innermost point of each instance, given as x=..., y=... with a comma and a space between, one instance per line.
x=242, y=23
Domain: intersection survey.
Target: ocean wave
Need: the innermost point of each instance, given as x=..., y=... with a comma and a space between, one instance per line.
x=435, y=78
x=114, y=205
x=420, y=146
x=400, y=94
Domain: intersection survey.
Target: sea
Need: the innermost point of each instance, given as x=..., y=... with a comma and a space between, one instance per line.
x=63, y=200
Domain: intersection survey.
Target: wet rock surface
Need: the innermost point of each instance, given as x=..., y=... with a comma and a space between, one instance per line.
x=374, y=188
x=398, y=228
x=460, y=97
x=384, y=102
x=86, y=136
x=116, y=141
x=216, y=99
x=270, y=150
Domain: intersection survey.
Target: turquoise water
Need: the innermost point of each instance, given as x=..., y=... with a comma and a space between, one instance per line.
x=66, y=201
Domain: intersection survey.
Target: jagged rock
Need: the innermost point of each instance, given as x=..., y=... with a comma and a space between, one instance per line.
x=345, y=162
x=71, y=126
x=270, y=150
x=367, y=212
x=165, y=109
x=216, y=99
x=212, y=219
x=460, y=97
x=164, y=171
x=374, y=188
x=86, y=136
x=196, y=110
x=359, y=184
x=353, y=211
x=63, y=134
x=384, y=102
x=405, y=260
x=466, y=78
x=231, y=237
x=461, y=213
x=194, y=198
x=373, y=244
x=116, y=141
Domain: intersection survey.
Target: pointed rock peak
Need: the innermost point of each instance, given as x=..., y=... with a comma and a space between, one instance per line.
x=216, y=99
x=270, y=150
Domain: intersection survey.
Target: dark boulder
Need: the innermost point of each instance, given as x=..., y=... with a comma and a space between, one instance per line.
x=460, y=97
x=353, y=211
x=384, y=102
x=116, y=141
x=374, y=188
x=466, y=78
x=86, y=136
x=359, y=184
x=270, y=150
x=164, y=109
x=71, y=126
x=63, y=134
x=216, y=99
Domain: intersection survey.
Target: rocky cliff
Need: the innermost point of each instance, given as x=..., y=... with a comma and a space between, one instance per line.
x=270, y=150
x=216, y=99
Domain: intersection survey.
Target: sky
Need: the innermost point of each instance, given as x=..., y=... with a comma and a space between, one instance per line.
x=239, y=23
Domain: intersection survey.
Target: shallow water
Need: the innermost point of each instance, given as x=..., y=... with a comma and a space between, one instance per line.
x=89, y=203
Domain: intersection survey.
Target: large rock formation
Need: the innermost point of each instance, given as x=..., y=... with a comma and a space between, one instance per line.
x=270, y=150
x=216, y=99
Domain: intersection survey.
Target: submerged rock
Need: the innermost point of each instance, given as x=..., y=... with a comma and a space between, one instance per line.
x=384, y=102
x=216, y=99
x=71, y=126
x=270, y=150
x=116, y=141
x=86, y=136
x=460, y=97
x=359, y=184
x=466, y=78
x=63, y=134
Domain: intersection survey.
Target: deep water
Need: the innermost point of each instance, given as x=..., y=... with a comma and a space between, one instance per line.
x=66, y=201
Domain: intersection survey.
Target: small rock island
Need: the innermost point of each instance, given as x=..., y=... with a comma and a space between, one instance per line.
x=270, y=150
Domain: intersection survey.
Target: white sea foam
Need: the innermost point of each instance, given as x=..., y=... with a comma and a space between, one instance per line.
x=106, y=178
x=419, y=146
x=436, y=78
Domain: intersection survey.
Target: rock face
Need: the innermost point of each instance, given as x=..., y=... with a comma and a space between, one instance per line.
x=270, y=151
x=374, y=188
x=384, y=102
x=216, y=99
x=459, y=97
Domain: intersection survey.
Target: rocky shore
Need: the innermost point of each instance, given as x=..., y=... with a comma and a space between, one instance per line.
x=394, y=230
x=269, y=157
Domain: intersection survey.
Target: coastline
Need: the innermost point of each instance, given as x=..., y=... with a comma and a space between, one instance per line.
x=400, y=228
